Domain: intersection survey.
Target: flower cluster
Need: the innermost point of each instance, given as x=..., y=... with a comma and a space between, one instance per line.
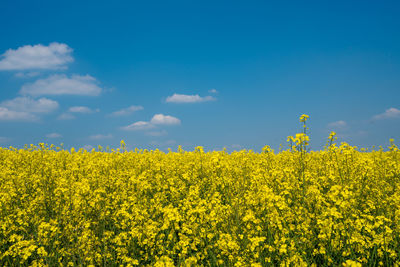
x=339, y=206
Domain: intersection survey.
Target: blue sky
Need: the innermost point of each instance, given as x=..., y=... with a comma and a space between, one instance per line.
x=234, y=74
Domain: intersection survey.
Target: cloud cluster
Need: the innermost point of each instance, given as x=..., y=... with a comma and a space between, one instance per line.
x=11, y=115
x=161, y=119
x=391, y=113
x=180, y=98
x=28, y=57
x=342, y=126
x=26, y=108
x=36, y=58
x=76, y=110
x=60, y=84
x=158, y=119
x=337, y=124
x=39, y=62
x=27, y=104
x=125, y=111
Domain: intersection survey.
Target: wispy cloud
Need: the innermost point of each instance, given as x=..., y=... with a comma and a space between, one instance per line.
x=391, y=113
x=125, y=111
x=138, y=126
x=100, y=137
x=82, y=109
x=66, y=116
x=53, y=135
x=337, y=124
x=158, y=119
x=27, y=104
x=76, y=110
x=213, y=91
x=11, y=115
x=60, y=84
x=3, y=139
x=53, y=56
x=29, y=74
x=180, y=98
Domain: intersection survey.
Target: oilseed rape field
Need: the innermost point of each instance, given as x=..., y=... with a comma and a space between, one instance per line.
x=336, y=207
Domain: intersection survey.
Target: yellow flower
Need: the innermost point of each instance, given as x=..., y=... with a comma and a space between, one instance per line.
x=197, y=208
x=304, y=117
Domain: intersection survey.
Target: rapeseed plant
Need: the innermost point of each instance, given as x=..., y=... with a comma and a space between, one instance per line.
x=339, y=206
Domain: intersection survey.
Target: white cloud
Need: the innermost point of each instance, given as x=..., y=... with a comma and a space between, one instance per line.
x=54, y=56
x=60, y=84
x=337, y=124
x=164, y=120
x=82, y=109
x=76, y=109
x=11, y=115
x=100, y=136
x=29, y=105
x=158, y=119
x=390, y=113
x=126, y=111
x=25, y=108
x=66, y=116
x=53, y=135
x=3, y=139
x=139, y=126
x=179, y=98
x=213, y=91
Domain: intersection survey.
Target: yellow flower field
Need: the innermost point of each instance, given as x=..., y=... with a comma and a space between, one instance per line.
x=338, y=206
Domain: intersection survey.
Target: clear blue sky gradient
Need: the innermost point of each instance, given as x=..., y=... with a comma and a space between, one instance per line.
x=270, y=62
